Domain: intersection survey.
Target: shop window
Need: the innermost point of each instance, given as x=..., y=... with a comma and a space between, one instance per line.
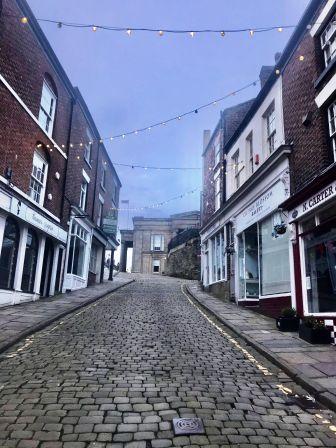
x=218, y=264
x=157, y=242
x=251, y=262
x=9, y=252
x=88, y=147
x=83, y=195
x=77, y=250
x=38, y=178
x=29, y=267
x=308, y=225
x=156, y=266
x=332, y=126
x=274, y=258
x=328, y=41
x=270, y=128
x=93, y=259
x=47, y=108
x=320, y=264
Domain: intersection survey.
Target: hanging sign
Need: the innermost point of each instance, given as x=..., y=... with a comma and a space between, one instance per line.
x=313, y=202
x=261, y=207
x=110, y=223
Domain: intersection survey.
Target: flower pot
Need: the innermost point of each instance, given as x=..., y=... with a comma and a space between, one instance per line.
x=314, y=335
x=288, y=323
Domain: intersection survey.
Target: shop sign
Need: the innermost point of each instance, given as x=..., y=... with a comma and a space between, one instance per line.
x=110, y=223
x=313, y=202
x=34, y=218
x=261, y=207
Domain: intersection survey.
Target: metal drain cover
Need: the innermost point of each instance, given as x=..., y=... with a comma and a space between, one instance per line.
x=184, y=426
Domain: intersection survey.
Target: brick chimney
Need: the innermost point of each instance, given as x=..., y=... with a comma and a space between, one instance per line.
x=206, y=138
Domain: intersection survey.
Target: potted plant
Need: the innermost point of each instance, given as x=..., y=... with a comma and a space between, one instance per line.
x=314, y=331
x=288, y=321
x=280, y=229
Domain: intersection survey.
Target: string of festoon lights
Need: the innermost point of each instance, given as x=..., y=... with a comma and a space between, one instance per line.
x=129, y=31
x=158, y=204
x=165, y=168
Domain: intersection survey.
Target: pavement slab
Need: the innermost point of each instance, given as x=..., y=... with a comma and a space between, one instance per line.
x=118, y=372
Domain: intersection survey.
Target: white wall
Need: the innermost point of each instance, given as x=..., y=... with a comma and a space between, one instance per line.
x=256, y=125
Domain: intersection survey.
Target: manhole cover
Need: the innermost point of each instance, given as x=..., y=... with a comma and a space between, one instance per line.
x=188, y=426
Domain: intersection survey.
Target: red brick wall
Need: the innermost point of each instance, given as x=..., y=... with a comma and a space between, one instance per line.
x=19, y=135
x=272, y=307
x=311, y=149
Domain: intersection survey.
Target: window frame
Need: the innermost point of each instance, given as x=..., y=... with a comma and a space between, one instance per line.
x=217, y=183
x=236, y=170
x=83, y=194
x=157, y=248
x=100, y=212
x=270, y=127
x=328, y=40
x=77, y=233
x=331, y=115
x=103, y=177
x=35, y=180
x=250, y=153
x=88, y=147
x=50, y=116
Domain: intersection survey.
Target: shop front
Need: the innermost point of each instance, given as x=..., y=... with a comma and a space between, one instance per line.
x=32, y=248
x=263, y=275
x=314, y=250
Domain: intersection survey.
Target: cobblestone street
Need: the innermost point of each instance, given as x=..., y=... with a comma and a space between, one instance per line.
x=118, y=371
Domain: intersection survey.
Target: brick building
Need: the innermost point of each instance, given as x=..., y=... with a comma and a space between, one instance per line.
x=39, y=108
x=272, y=241
x=309, y=97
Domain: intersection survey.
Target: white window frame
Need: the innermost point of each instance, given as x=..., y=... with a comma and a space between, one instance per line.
x=77, y=232
x=332, y=126
x=49, y=116
x=88, y=147
x=100, y=212
x=38, y=178
x=328, y=41
x=236, y=170
x=270, y=127
x=157, y=248
x=83, y=194
x=217, y=257
x=217, y=148
x=217, y=182
x=249, y=153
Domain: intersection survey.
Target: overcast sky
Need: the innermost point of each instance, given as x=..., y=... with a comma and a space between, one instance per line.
x=131, y=82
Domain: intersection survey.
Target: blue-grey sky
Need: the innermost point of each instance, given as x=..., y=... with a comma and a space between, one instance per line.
x=130, y=82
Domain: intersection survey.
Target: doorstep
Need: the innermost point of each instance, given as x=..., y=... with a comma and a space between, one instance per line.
x=20, y=321
x=311, y=366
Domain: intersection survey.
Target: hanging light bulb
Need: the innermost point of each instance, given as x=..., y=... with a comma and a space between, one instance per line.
x=123, y=136
x=222, y=33
x=192, y=33
x=94, y=28
x=179, y=118
x=24, y=20
x=280, y=29
x=160, y=33
x=277, y=71
x=129, y=32
x=251, y=33
x=301, y=58
x=59, y=25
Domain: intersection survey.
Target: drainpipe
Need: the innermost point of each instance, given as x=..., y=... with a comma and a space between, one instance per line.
x=66, y=160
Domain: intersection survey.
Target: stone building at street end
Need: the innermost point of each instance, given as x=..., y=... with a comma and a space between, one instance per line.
x=54, y=228
x=150, y=239
x=259, y=169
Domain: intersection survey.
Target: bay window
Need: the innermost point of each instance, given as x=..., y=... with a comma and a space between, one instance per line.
x=47, y=108
x=38, y=178
x=77, y=250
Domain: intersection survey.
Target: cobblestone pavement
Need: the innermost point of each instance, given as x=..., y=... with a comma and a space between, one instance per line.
x=117, y=372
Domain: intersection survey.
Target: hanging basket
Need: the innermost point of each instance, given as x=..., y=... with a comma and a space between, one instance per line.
x=280, y=229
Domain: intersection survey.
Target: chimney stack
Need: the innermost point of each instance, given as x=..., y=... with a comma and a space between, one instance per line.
x=206, y=138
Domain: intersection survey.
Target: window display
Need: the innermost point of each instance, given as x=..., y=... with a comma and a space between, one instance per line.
x=320, y=257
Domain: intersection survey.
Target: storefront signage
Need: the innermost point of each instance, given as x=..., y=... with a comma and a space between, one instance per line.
x=110, y=223
x=313, y=202
x=34, y=218
x=261, y=207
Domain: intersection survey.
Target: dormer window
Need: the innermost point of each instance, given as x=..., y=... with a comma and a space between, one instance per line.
x=47, y=108
x=328, y=41
x=38, y=178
